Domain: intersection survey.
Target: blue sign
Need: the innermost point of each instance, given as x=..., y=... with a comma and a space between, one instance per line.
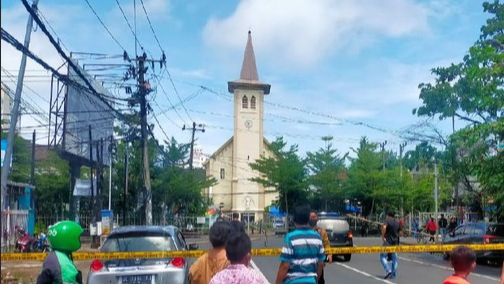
x=4, y=148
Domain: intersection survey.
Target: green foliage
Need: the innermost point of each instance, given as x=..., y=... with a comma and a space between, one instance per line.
x=326, y=167
x=284, y=172
x=472, y=91
x=40, y=227
x=52, y=178
x=21, y=158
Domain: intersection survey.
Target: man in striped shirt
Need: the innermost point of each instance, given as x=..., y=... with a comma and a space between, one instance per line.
x=302, y=258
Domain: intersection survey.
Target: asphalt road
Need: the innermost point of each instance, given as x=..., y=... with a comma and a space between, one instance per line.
x=419, y=268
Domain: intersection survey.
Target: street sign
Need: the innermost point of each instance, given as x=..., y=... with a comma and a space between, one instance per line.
x=4, y=148
x=501, y=146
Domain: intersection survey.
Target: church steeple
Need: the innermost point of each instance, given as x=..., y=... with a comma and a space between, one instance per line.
x=249, y=78
x=249, y=68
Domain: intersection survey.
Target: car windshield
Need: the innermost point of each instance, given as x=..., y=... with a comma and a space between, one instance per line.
x=138, y=242
x=496, y=230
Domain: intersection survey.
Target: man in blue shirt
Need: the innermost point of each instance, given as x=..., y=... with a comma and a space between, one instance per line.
x=302, y=258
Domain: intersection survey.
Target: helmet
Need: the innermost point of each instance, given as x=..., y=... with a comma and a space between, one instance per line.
x=65, y=236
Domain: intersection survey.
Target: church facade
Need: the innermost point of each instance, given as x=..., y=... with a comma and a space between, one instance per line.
x=234, y=192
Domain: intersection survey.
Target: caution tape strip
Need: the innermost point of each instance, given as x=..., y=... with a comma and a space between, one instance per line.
x=255, y=252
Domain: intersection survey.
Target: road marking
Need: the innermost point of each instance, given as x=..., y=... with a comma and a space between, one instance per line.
x=446, y=268
x=260, y=272
x=364, y=273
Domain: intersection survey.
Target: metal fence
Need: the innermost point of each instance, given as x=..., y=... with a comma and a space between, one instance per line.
x=11, y=220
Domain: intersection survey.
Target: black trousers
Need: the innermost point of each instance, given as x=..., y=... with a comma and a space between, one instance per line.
x=321, y=279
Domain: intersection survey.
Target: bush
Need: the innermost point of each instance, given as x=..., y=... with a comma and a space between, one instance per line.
x=40, y=227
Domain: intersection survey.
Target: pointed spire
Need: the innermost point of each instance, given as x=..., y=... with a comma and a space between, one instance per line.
x=249, y=68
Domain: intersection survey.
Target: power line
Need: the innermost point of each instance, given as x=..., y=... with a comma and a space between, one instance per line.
x=150, y=24
x=52, y=29
x=104, y=26
x=129, y=25
x=168, y=98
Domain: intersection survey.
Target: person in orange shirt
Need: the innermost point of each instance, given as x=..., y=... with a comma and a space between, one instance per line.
x=502, y=275
x=463, y=260
x=212, y=262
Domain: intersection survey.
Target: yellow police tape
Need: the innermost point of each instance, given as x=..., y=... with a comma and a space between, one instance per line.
x=255, y=252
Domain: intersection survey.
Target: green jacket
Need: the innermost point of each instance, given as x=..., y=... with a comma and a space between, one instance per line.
x=58, y=268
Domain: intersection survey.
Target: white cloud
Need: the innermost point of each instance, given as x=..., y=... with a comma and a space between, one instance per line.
x=303, y=32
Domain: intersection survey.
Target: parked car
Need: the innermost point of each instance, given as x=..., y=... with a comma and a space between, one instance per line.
x=478, y=233
x=278, y=223
x=142, y=271
x=338, y=231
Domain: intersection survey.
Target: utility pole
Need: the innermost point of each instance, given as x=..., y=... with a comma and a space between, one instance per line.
x=15, y=111
x=32, y=173
x=193, y=129
x=126, y=182
x=382, y=146
x=436, y=198
x=111, y=150
x=143, y=90
x=401, y=150
x=140, y=98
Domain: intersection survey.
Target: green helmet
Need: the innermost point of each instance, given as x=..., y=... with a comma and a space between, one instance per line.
x=65, y=236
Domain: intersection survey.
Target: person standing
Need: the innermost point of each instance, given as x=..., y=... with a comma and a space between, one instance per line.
x=238, y=251
x=391, y=231
x=58, y=267
x=453, y=225
x=302, y=257
x=443, y=224
x=215, y=260
x=431, y=228
x=415, y=228
x=325, y=240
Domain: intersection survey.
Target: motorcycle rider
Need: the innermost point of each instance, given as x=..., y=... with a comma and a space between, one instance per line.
x=58, y=267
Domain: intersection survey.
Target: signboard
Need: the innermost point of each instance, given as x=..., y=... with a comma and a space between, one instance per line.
x=501, y=146
x=4, y=148
x=83, y=187
x=200, y=220
x=84, y=109
x=107, y=221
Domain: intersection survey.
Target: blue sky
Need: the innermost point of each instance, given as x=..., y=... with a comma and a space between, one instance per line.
x=354, y=60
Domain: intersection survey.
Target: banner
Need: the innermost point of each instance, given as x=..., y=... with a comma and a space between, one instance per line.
x=83, y=187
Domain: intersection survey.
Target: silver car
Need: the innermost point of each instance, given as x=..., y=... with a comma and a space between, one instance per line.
x=142, y=271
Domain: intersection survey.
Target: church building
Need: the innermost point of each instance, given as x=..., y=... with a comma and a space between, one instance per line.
x=234, y=192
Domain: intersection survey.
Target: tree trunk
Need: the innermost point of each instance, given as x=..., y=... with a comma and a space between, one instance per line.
x=372, y=206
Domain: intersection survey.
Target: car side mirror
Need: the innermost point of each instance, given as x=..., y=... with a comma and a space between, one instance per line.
x=192, y=247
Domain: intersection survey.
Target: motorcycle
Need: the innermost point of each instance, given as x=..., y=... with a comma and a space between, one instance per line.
x=40, y=244
x=23, y=241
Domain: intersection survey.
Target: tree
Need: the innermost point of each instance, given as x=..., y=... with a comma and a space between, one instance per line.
x=21, y=158
x=326, y=167
x=472, y=91
x=424, y=153
x=365, y=175
x=284, y=172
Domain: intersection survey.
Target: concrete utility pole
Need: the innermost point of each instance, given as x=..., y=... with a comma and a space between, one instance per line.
x=111, y=150
x=382, y=146
x=15, y=110
x=193, y=129
x=401, y=150
x=436, y=198
x=143, y=90
x=126, y=182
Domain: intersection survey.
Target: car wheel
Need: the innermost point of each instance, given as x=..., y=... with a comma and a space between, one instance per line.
x=446, y=256
x=347, y=257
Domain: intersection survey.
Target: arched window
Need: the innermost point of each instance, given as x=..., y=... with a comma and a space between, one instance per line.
x=253, y=102
x=244, y=102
